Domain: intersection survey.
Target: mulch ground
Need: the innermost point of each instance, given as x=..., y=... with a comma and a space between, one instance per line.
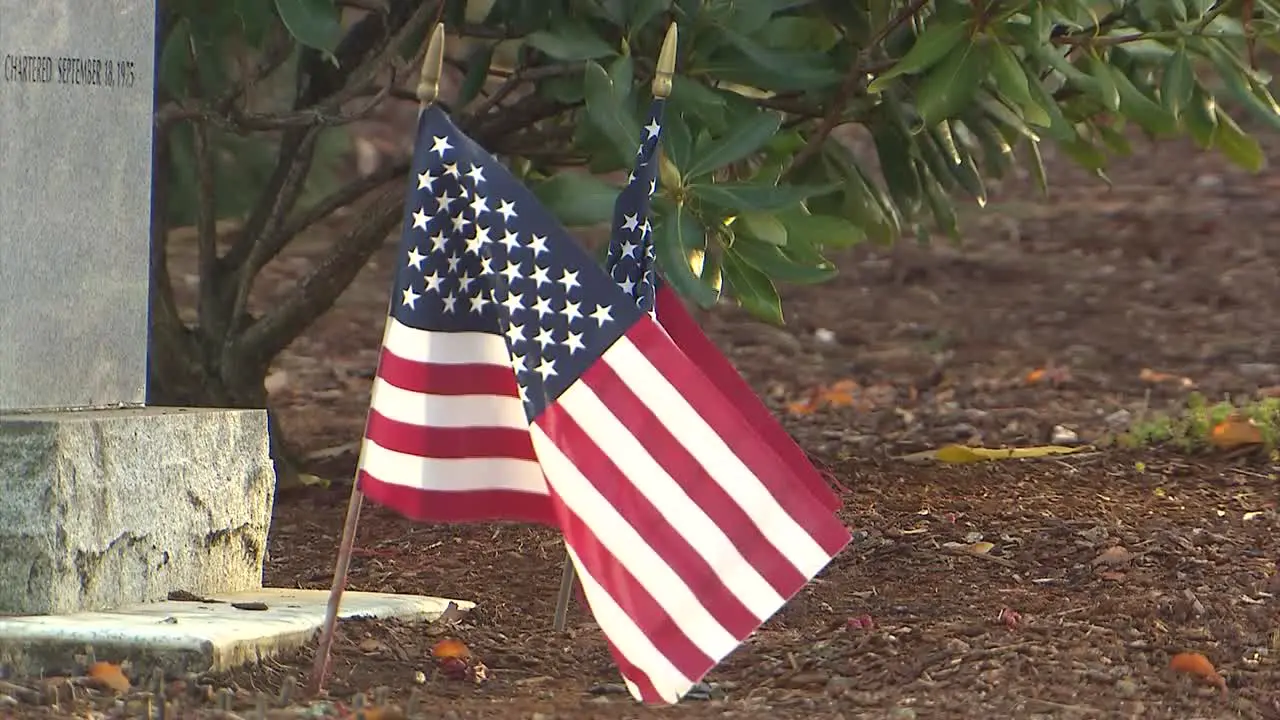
x=1103, y=565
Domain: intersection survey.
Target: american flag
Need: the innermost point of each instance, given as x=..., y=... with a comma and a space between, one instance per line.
x=517, y=380
x=630, y=262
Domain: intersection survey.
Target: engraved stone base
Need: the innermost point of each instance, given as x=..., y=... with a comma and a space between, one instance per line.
x=108, y=508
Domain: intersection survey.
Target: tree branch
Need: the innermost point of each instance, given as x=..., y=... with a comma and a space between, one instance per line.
x=848, y=86
x=291, y=174
x=344, y=196
x=171, y=343
x=319, y=290
x=517, y=78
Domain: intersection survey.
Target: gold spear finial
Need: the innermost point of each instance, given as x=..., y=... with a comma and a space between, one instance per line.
x=432, y=67
x=666, y=64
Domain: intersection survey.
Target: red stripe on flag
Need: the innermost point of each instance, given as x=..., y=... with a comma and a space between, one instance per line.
x=696, y=346
x=629, y=595
x=458, y=507
x=449, y=443
x=648, y=692
x=619, y=490
x=778, y=476
x=447, y=379
x=684, y=468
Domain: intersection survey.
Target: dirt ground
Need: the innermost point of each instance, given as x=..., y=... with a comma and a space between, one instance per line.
x=1173, y=270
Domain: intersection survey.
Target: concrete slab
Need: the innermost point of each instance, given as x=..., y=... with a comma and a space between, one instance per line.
x=196, y=636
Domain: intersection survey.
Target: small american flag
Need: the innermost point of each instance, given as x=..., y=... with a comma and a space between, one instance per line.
x=631, y=264
x=518, y=380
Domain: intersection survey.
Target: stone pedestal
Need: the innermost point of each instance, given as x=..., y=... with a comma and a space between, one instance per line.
x=104, y=509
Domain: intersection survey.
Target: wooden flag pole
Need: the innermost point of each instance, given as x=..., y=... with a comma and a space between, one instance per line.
x=428, y=91
x=662, y=80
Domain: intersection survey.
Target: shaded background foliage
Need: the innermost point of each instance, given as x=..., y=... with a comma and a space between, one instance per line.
x=759, y=185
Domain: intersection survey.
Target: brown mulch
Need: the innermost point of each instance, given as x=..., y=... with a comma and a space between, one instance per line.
x=1102, y=566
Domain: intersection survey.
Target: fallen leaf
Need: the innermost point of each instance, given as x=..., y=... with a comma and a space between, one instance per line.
x=1053, y=375
x=861, y=622
x=1112, y=575
x=1161, y=378
x=109, y=675
x=1200, y=666
x=450, y=648
x=956, y=454
x=979, y=548
x=1009, y=617
x=369, y=645
x=1112, y=556
x=379, y=712
x=1236, y=431
x=846, y=393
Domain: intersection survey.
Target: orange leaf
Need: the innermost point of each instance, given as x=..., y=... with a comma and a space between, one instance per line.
x=1198, y=665
x=110, y=676
x=1234, y=432
x=1035, y=376
x=451, y=648
x=1157, y=377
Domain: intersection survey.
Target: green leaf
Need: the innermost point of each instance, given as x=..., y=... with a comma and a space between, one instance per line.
x=950, y=86
x=1011, y=81
x=1106, y=90
x=764, y=226
x=944, y=213
x=895, y=148
x=930, y=47
x=774, y=262
x=578, y=199
x=1037, y=167
x=795, y=32
x=175, y=59
x=697, y=100
x=477, y=72
x=1201, y=118
x=1177, y=83
x=1135, y=105
x=1236, y=145
x=255, y=18
x=640, y=12
x=744, y=139
x=313, y=23
x=571, y=42
x=864, y=202
x=677, y=143
x=677, y=235
x=740, y=197
x=608, y=113
x=827, y=231
x=758, y=66
x=752, y=288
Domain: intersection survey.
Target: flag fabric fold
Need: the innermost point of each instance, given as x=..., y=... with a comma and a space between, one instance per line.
x=519, y=380
x=630, y=262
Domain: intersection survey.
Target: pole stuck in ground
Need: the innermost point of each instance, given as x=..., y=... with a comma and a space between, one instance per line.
x=428, y=91
x=662, y=81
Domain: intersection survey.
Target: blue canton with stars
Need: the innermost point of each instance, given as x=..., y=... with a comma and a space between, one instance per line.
x=631, y=250
x=479, y=253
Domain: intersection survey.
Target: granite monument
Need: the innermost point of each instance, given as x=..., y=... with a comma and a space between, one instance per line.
x=104, y=501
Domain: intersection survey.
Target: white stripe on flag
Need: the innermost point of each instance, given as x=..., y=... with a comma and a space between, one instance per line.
x=720, y=462
x=445, y=348
x=451, y=474
x=684, y=514
x=629, y=640
x=628, y=547
x=447, y=411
